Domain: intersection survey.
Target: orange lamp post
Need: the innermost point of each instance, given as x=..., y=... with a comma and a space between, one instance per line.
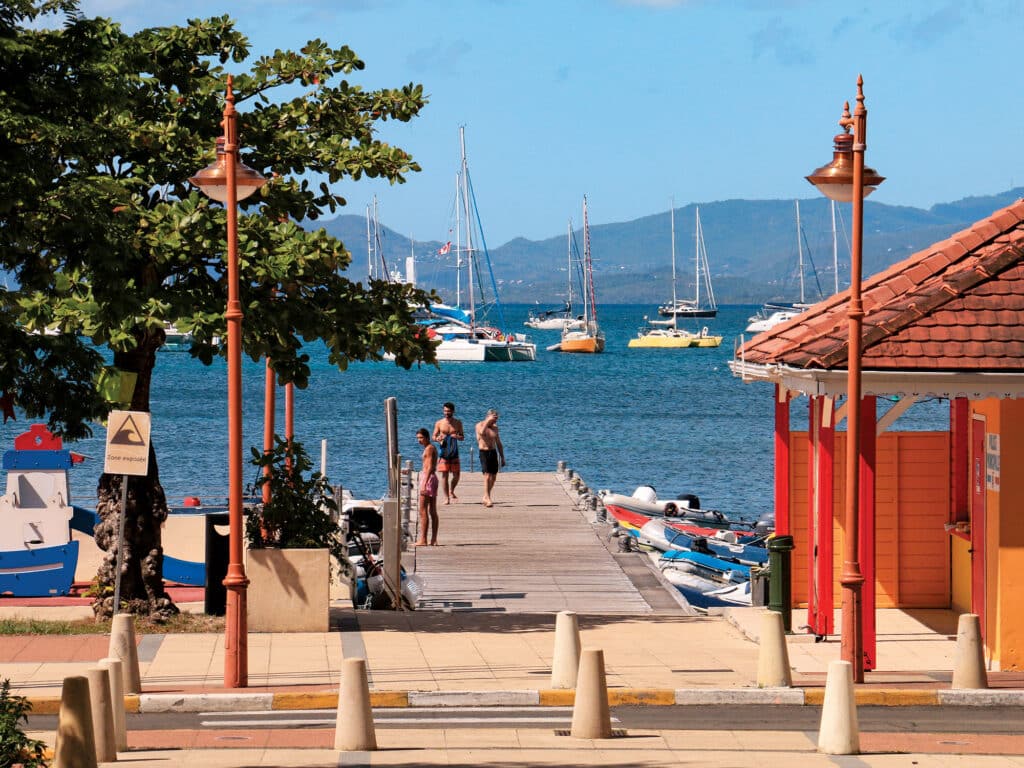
x=227, y=180
x=846, y=179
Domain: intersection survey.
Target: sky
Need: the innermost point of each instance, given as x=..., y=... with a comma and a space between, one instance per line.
x=637, y=103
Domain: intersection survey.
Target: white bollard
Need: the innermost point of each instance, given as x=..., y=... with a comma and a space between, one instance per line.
x=122, y=646
x=354, y=730
x=773, y=655
x=117, y=701
x=75, y=746
x=969, y=659
x=839, y=733
x=591, y=717
x=565, y=665
x=102, y=715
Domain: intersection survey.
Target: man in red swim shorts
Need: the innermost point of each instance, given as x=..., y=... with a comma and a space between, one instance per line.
x=447, y=432
x=428, y=491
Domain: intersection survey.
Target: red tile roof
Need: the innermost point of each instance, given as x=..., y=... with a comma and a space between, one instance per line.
x=957, y=305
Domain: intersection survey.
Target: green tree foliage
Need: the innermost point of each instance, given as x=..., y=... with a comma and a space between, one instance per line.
x=99, y=132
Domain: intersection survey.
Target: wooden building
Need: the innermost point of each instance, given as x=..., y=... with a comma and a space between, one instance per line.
x=942, y=513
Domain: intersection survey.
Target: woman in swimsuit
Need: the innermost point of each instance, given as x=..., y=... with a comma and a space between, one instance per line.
x=428, y=491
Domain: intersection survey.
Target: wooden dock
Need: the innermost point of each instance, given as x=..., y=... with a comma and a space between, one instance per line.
x=534, y=551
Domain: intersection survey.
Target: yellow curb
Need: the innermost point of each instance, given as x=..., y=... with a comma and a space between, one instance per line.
x=880, y=698
x=311, y=700
x=644, y=697
x=557, y=697
x=131, y=703
x=389, y=699
x=45, y=705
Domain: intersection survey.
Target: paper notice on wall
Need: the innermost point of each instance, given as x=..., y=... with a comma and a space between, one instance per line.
x=992, y=462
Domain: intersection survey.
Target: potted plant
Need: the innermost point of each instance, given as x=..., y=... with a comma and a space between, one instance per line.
x=292, y=539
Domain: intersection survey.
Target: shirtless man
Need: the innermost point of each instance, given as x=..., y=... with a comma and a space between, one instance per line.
x=492, y=452
x=428, y=491
x=447, y=431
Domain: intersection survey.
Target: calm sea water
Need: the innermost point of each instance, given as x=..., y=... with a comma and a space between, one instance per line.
x=674, y=419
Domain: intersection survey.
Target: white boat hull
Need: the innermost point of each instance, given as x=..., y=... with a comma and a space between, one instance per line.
x=485, y=351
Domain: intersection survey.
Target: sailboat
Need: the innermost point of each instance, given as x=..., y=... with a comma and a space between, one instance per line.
x=562, y=317
x=698, y=306
x=773, y=313
x=666, y=334
x=590, y=338
x=463, y=334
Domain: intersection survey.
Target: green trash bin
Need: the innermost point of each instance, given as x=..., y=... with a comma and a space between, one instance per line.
x=780, y=593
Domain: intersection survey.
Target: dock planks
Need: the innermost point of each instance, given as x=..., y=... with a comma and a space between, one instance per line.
x=532, y=552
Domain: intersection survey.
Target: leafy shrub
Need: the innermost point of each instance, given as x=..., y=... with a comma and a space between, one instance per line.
x=302, y=512
x=15, y=746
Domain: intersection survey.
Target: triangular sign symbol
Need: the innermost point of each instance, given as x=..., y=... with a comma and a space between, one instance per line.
x=127, y=434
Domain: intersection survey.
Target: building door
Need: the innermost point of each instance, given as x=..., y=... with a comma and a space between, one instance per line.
x=978, y=520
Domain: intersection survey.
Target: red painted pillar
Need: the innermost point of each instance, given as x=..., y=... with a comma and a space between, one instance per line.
x=821, y=434
x=826, y=518
x=959, y=450
x=782, y=526
x=866, y=530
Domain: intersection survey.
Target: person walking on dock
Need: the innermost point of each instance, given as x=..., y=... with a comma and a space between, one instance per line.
x=447, y=432
x=492, y=452
x=428, y=491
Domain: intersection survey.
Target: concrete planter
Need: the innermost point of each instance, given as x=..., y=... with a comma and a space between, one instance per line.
x=289, y=589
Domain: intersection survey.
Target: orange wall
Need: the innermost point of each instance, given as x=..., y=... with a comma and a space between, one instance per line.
x=912, y=506
x=1004, y=540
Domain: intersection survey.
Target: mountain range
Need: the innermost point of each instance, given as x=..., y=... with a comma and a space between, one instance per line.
x=752, y=250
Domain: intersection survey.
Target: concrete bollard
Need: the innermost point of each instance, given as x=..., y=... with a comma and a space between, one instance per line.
x=773, y=655
x=122, y=646
x=75, y=745
x=565, y=665
x=102, y=715
x=561, y=469
x=839, y=733
x=969, y=659
x=113, y=666
x=354, y=731
x=591, y=717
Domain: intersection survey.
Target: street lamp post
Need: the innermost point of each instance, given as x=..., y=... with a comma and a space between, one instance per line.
x=227, y=180
x=846, y=179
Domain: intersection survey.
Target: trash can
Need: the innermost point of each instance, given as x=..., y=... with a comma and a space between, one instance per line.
x=780, y=596
x=217, y=556
x=759, y=581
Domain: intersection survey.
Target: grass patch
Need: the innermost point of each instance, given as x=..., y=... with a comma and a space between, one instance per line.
x=183, y=623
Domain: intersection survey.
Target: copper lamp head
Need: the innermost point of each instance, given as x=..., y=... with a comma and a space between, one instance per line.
x=835, y=180
x=213, y=179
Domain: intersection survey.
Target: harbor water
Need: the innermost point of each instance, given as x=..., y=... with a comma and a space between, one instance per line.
x=674, y=419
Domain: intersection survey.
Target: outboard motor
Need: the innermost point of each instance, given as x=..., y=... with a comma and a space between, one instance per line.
x=646, y=493
x=764, y=527
x=689, y=500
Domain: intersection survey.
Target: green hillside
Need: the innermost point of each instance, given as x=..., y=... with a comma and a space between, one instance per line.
x=751, y=245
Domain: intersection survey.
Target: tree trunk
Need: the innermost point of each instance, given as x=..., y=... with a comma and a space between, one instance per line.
x=142, y=586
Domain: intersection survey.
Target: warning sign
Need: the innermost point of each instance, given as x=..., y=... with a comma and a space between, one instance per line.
x=127, y=443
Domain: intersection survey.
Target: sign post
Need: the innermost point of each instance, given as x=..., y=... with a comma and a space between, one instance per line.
x=127, y=455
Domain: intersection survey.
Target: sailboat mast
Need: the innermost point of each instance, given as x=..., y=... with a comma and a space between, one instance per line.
x=568, y=241
x=800, y=252
x=369, y=246
x=672, y=220
x=835, y=247
x=590, y=312
x=469, y=229
x=458, y=246
x=696, y=265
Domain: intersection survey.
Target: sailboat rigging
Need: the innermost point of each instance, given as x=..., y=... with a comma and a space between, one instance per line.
x=590, y=338
x=666, y=334
x=697, y=306
x=465, y=333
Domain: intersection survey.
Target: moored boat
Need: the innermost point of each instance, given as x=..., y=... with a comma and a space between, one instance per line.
x=590, y=338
